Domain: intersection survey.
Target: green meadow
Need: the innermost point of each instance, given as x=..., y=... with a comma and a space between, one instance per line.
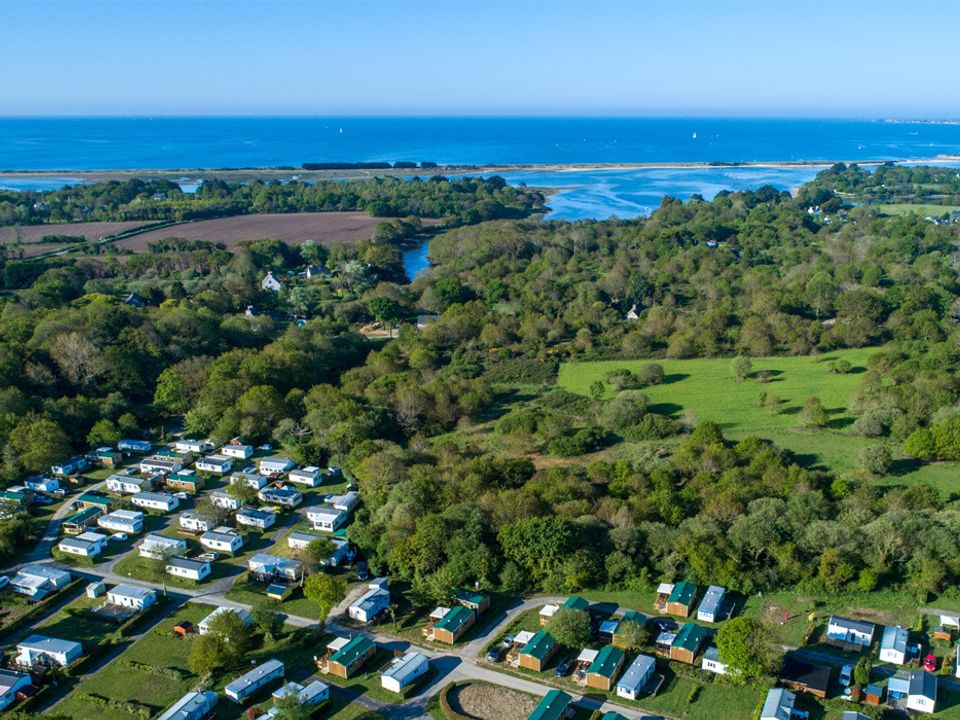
x=705, y=389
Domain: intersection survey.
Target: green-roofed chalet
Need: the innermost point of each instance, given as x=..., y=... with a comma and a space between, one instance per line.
x=540, y=645
x=454, y=624
x=688, y=643
x=476, y=601
x=607, y=661
x=575, y=602
x=553, y=706
x=354, y=650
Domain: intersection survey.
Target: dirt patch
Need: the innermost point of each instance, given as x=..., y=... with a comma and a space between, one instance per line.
x=92, y=231
x=31, y=250
x=880, y=617
x=489, y=702
x=295, y=228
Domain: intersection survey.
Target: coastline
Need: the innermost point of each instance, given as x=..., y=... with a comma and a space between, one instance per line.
x=282, y=173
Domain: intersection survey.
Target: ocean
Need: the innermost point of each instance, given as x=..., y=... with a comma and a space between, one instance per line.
x=70, y=145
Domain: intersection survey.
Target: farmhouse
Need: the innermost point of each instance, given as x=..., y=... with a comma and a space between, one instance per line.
x=711, y=661
x=536, y=653
x=12, y=683
x=849, y=633
x=922, y=695
x=778, y=705
x=163, y=502
x=267, y=672
x=275, y=465
x=157, y=547
x=223, y=499
x=184, y=481
x=188, y=569
x=36, y=582
x=236, y=450
x=128, y=521
x=267, y=568
x=349, y=655
x=245, y=617
x=192, y=446
x=711, y=607
x=69, y=467
x=285, y=497
x=80, y=521
x=254, y=480
x=218, y=464
x=41, y=650
x=221, y=539
x=310, y=476
x=160, y=464
x=192, y=706
x=404, y=671
x=86, y=544
x=605, y=668
x=688, y=642
x=260, y=519
x=893, y=645
x=196, y=522
x=372, y=603
x=132, y=596
x=453, y=625
x=636, y=677
x=134, y=446
x=804, y=677
x=556, y=704
x=325, y=518
x=127, y=484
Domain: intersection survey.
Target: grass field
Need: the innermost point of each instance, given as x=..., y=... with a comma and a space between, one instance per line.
x=707, y=390
x=918, y=208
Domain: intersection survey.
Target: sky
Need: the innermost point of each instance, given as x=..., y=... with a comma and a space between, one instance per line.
x=845, y=58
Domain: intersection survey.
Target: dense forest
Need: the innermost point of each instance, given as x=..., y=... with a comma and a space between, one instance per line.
x=749, y=273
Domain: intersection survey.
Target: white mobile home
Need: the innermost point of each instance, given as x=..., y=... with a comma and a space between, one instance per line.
x=134, y=446
x=404, y=671
x=261, y=519
x=38, y=581
x=164, y=502
x=188, y=569
x=249, y=684
x=160, y=546
x=221, y=539
x=326, y=518
x=254, y=480
x=285, y=497
x=923, y=692
x=371, y=604
x=711, y=661
x=69, y=467
x=310, y=696
x=711, y=607
x=850, y=632
x=160, y=465
x=778, y=705
x=223, y=499
x=38, y=649
x=218, y=464
x=127, y=484
x=268, y=567
x=275, y=465
x=893, y=645
x=241, y=452
x=346, y=502
x=192, y=706
x=636, y=677
x=310, y=476
x=192, y=446
x=196, y=522
x=86, y=544
x=128, y=521
x=132, y=596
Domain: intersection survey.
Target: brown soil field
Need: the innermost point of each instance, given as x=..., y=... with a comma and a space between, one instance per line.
x=328, y=228
x=489, y=702
x=92, y=231
x=31, y=250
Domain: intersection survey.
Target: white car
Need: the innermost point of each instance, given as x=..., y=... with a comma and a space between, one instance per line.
x=182, y=496
x=119, y=537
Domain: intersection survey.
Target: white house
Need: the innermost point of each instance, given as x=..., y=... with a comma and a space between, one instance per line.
x=160, y=546
x=275, y=465
x=137, y=446
x=923, y=691
x=270, y=282
x=711, y=607
x=223, y=499
x=86, y=544
x=252, y=682
x=285, y=497
x=310, y=696
x=245, y=617
x=160, y=465
x=310, y=476
x=38, y=581
x=261, y=519
x=192, y=706
x=164, y=502
x=128, y=521
x=218, y=464
x=893, y=645
x=132, y=596
x=636, y=677
x=778, y=705
x=221, y=539
x=234, y=450
x=127, y=484
x=372, y=603
x=326, y=518
x=196, y=522
x=188, y=569
x=69, y=467
x=404, y=671
x=11, y=682
x=346, y=502
x=254, y=480
x=850, y=632
x=267, y=566
x=711, y=661
x=192, y=446
x=38, y=649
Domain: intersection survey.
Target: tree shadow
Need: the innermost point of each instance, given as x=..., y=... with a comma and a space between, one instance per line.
x=674, y=378
x=808, y=461
x=904, y=466
x=665, y=408
x=790, y=410
x=839, y=423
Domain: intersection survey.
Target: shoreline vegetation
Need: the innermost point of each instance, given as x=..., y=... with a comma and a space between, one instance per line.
x=269, y=173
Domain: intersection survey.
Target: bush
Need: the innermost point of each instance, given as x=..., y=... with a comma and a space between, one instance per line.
x=650, y=427
x=875, y=460
x=651, y=374
x=741, y=367
x=581, y=442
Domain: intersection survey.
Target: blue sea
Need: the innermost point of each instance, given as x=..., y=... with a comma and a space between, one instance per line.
x=71, y=145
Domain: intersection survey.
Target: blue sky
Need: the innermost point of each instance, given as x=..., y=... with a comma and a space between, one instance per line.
x=854, y=58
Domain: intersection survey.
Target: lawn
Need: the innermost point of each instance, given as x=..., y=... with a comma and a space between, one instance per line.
x=75, y=622
x=16, y=610
x=922, y=209
x=707, y=390
x=250, y=592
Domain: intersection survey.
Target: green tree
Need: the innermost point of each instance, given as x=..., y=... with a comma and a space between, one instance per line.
x=103, y=432
x=385, y=309
x=290, y=707
x=538, y=544
x=813, y=414
x=39, y=442
x=317, y=551
x=741, y=367
x=743, y=644
x=597, y=388
x=233, y=635
x=325, y=591
x=570, y=627
x=633, y=635
x=267, y=619
x=861, y=672
x=205, y=655
x=875, y=460
x=242, y=491
x=920, y=444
